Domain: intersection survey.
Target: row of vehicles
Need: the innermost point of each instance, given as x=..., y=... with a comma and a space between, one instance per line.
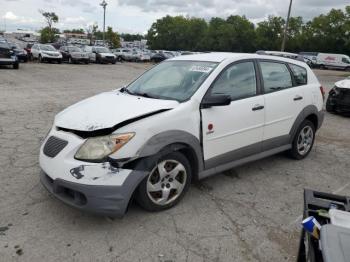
x=89, y=54
x=316, y=60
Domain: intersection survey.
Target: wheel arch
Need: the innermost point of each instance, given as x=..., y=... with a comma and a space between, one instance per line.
x=310, y=113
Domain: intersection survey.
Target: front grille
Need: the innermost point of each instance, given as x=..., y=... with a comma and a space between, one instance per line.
x=53, y=146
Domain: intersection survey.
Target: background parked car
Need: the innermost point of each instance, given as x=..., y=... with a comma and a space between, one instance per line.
x=339, y=98
x=7, y=56
x=21, y=54
x=73, y=54
x=141, y=56
x=100, y=54
x=124, y=54
x=28, y=49
x=46, y=53
x=159, y=57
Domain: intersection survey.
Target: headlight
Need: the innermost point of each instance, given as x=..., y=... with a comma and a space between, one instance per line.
x=97, y=148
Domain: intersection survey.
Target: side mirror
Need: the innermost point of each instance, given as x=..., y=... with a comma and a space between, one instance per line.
x=215, y=100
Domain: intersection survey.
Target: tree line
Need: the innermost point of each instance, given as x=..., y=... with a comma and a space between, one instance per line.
x=325, y=33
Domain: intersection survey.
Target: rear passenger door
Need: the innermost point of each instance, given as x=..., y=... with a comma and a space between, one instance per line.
x=284, y=100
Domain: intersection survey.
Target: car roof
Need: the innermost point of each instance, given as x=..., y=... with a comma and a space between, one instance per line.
x=219, y=57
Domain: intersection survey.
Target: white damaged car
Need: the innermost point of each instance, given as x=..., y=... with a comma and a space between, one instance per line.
x=187, y=118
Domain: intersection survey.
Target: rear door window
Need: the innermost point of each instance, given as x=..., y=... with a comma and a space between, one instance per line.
x=276, y=76
x=300, y=74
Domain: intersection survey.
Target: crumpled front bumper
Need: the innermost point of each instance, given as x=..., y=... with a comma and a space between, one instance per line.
x=99, y=188
x=101, y=200
x=339, y=101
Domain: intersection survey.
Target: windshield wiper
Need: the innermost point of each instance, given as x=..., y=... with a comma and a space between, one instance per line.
x=147, y=95
x=124, y=89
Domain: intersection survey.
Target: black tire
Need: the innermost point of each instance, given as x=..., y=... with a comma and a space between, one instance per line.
x=295, y=152
x=119, y=59
x=41, y=60
x=70, y=60
x=87, y=62
x=141, y=194
x=15, y=65
x=322, y=67
x=59, y=61
x=347, y=69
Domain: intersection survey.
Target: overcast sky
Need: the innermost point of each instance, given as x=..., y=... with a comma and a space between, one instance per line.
x=136, y=16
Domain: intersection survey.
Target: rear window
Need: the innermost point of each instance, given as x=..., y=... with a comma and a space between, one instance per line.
x=300, y=74
x=276, y=76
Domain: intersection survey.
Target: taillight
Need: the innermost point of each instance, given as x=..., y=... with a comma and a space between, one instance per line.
x=323, y=93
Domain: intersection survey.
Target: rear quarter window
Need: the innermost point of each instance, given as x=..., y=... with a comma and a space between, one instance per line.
x=300, y=74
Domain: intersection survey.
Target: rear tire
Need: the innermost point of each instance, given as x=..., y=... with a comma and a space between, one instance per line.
x=166, y=183
x=16, y=65
x=303, y=140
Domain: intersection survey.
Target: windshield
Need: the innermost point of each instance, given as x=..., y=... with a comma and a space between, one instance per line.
x=173, y=80
x=47, y=48
x=74, y=49
x=102, y=50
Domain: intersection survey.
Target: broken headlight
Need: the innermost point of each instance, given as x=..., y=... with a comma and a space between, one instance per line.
x=98, y=148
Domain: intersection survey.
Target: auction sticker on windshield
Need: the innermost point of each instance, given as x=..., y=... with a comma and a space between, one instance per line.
x=201, y=69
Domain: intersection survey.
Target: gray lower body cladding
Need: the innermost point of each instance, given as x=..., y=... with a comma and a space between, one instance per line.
x=102, y=200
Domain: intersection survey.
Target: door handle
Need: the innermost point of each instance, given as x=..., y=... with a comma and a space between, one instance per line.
x=258, y=107
x=298, y=98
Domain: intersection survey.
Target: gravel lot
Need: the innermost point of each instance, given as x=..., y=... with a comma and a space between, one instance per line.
x=251, y=213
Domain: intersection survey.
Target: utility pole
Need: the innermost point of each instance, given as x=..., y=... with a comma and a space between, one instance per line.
x=104, y=4
x=286, y=27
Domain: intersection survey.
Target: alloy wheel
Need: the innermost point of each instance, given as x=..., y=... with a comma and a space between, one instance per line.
x=305, y=140
x=166, y=182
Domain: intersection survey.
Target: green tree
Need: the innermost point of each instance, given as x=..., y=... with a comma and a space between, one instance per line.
x=132, y=37
x=176, y=33
x=269, y=33
x=112, y=38
x=48, y=33
x=74, y=31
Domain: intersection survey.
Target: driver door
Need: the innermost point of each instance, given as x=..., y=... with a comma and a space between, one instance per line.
x=234, y=131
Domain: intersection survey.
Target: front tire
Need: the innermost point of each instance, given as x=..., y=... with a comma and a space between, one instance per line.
x=303, y=140
x=16, y=65
x=166, y=183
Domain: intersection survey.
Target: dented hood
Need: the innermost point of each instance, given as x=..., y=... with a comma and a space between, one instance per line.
x=109, y=109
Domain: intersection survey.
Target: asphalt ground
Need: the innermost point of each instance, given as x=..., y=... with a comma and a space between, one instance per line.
x=251, y=213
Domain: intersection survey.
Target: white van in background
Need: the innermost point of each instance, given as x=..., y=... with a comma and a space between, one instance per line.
x=333, y=61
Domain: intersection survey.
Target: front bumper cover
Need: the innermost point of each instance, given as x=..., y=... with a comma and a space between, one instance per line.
x=97, y=199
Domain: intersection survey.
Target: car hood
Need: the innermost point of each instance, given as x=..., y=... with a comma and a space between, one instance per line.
x=343, y=84
x=109, y=109
x=51, y=52
x=106, y=54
